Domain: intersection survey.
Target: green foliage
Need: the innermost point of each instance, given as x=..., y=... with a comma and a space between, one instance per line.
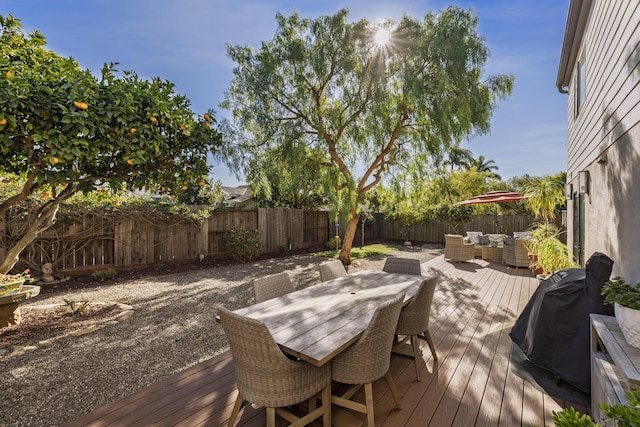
x=103, y=275
x=617, y=290
x=453, y=215
x=244, y=244
x=289, y=175
x=76, y=308
x=552, y=254
x=65, y=130
x=572, y=418
x=204, y=192
x=627, y=415
x=325, y=82
x=333, y=243
x=546, y=197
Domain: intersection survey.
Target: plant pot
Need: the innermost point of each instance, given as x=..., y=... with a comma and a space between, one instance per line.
x=629, y=321
x=11, y=287
x=533, y=258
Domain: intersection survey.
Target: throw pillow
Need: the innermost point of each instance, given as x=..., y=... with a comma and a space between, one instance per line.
x=509, y=241
x=496, y=238
x=474, y=237
x=484, y=239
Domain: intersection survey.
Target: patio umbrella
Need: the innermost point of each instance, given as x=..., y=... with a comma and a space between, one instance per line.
x=494, y=197
x=498, y=196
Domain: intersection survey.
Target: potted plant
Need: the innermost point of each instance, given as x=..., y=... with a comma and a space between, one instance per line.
x=12, y=283
x=622, y=415
x=625, y=298
x=544, y=200
x=550, y=253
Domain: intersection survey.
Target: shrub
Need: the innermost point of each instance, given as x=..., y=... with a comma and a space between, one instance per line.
x=76, y=308
x=104, y=274
x=333, y=243
x=245, y=244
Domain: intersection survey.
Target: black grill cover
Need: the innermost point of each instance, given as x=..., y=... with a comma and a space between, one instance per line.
x=553, y=329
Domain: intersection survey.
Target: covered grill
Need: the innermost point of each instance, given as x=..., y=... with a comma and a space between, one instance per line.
x=553, y=329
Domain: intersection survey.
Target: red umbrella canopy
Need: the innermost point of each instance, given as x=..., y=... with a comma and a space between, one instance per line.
x=494, y=197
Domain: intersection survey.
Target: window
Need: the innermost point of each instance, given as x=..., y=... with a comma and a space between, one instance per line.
x=581, y=88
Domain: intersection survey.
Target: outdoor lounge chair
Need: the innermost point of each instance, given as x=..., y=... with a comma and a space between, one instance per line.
x=516, y=255
x=331, y=270
x=368, y=360
x=414, y=323
x=456, y=249
x=266, y=377
x=402, y=265
x=272, y=286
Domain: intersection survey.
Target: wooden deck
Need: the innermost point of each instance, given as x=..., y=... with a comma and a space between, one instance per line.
x=474, y=308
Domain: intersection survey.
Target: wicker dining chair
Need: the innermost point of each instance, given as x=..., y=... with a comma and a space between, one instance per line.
x=272, y=286
x=368, y=360
x=331, y=270
x=414, y=323
x=402, y=265
x=266, y=377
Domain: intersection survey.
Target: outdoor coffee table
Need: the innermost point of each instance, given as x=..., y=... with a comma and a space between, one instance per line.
x=317, y=323
x=492, y=254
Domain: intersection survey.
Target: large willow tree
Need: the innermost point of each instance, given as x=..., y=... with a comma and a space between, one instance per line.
x=369, y=95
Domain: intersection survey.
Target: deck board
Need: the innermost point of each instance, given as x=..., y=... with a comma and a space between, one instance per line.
x=471, y=384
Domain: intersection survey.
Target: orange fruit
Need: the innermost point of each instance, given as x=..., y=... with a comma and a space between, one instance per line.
x=133, y=130
x=206, y=117
x=3, y=121
x=186, y=165
x=173, y=196
x=184, y=187
x=130, y=161
x=9, y=74
x=201, y=183
x=207, y=124
x=81, y=105
x=153, y=119
x=183, y=127
x=55, y=160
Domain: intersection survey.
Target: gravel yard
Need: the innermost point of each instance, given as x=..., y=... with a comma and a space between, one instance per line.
x=147, y=330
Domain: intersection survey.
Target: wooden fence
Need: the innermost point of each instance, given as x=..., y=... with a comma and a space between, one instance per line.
x=98, y=241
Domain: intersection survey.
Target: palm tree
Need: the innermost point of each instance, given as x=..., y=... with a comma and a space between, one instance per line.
x=460, y=157
x=483, y=165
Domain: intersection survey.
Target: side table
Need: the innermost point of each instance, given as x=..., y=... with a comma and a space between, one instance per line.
x=492, y=254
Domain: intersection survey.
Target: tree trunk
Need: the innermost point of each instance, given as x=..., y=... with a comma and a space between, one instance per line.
x=45, y=218
x=349, y=234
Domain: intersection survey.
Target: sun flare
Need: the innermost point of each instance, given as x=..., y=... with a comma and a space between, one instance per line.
x=382, y=36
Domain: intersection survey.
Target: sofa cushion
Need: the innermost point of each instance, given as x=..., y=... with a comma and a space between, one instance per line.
x=521, y=234
x=483, y=240
x=499, y=238
x=509, y=241
x=474, y=237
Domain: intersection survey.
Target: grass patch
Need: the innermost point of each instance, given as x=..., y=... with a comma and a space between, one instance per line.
x=363, y=252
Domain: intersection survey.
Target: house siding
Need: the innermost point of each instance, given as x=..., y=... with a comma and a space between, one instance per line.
x=608, y=126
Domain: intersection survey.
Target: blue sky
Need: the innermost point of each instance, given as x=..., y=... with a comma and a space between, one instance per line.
x=184, y=42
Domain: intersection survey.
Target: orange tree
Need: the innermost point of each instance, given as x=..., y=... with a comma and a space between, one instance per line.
x=64, y=131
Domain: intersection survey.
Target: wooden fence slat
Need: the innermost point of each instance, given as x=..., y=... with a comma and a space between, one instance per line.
x=95, y=241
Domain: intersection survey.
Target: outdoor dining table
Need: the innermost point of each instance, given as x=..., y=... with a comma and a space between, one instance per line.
x=316, y=323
